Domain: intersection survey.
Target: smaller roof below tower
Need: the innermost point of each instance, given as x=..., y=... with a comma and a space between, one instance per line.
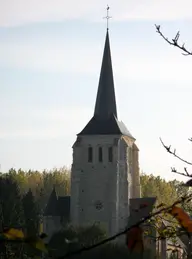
x=58, y=206
x=51, y=208
x=140, y=208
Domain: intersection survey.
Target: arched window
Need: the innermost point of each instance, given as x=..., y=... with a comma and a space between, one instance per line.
x=110, y=154
x=100, y=154
x=90, y=154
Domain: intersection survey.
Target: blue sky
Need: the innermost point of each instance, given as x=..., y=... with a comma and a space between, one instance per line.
x=50, y=58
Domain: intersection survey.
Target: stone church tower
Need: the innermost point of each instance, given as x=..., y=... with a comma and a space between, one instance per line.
x=105, y=170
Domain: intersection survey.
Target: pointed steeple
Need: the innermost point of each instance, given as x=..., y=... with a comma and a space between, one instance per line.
x=106, y=103
x=104, y=120
x=52, y=205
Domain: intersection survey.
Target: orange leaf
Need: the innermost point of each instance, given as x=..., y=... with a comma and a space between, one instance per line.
x=182, y=217
x=134, y=239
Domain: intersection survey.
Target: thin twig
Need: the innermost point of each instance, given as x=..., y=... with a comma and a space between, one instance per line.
x=181, y=200
x=174, y=170
x=168, y=148
x=174, y=41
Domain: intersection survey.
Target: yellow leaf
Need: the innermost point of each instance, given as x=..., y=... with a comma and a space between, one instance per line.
x=13, y=233
x=40, y=245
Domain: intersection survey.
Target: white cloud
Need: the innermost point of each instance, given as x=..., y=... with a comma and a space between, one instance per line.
x=13, y=13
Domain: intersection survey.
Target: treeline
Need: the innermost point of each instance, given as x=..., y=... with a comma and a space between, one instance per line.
x=42, y=183
x=166, y=192
x=24, y=195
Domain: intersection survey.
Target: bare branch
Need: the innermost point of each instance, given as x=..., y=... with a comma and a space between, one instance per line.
x=168, y=148
x=166, y=209
x=173, y=170
x=185, y=198
x=174, y=41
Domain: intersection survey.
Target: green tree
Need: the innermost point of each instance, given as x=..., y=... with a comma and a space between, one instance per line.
x=31, y=220
x=11, y=213
x=31, y=214
x=152, y=186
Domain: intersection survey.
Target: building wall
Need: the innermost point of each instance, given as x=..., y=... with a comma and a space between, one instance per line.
x=105, y=182
x=136, y=188
x=124, y=183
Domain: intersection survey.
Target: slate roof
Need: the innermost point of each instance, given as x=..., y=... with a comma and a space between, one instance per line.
x=105, y=120
x=51, y=207
x=110, y=126
x=58, y=206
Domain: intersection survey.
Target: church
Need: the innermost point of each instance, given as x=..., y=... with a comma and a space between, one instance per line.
x=105, y=171
x=105, y=179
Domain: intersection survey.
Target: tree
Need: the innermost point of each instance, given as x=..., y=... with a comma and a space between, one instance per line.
x=31, y=220
x=152, y=186
x=71, y=239
x=31, y=214
x=11, y=213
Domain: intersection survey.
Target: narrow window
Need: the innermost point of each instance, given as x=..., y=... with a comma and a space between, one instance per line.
x=90, y=154
x=110, y=154
x=100, y=154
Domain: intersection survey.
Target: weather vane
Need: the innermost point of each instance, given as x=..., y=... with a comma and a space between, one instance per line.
x=107, y=17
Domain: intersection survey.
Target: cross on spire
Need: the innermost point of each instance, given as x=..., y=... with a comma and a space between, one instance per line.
x=107, y=17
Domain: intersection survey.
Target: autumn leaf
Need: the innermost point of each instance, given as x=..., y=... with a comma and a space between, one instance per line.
x=39, y=244
x=134, y=239
x=182, y=217
x=12, y=233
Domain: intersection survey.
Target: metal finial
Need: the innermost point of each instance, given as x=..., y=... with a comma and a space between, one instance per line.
x=107, y=17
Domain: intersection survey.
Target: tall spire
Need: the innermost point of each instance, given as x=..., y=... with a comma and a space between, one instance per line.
x=104, y=120
x=106, y=103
